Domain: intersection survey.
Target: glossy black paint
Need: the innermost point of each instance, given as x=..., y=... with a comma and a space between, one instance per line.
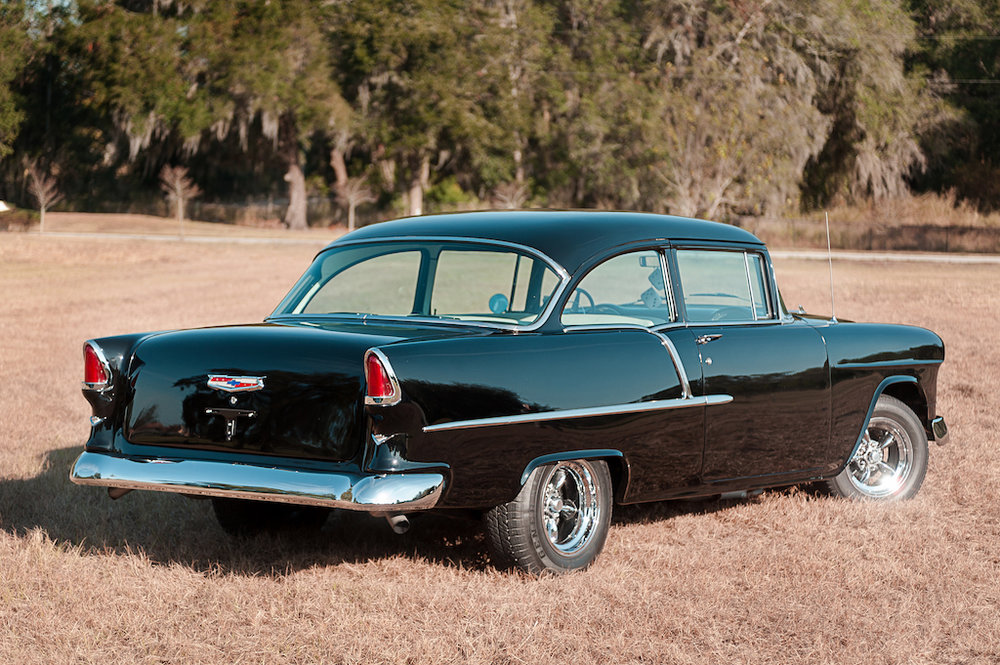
x=780, y=381
x=802, y=388
x=504, y=375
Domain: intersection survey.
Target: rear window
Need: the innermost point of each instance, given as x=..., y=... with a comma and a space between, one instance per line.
x=456, y=281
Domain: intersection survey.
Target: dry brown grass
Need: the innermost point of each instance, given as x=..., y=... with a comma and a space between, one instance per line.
x=784, y=578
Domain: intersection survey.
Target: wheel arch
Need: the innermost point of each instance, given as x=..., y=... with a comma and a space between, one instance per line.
x=618, y=466
x=903, y=387
x=910, y=393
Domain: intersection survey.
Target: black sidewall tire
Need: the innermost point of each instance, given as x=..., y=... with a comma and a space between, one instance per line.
x=892, y=409
x=516, y=534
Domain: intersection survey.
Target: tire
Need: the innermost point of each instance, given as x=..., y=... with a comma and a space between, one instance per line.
x=891, y=461
x=557, y=523
x=243, y=517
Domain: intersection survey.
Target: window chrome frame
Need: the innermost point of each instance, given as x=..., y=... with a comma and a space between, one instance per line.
x=672, y=312
x=540, y=320
x=776, y=315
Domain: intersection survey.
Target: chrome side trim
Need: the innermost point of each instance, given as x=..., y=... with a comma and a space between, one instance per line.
x=678, y=365
x=589, y=412
x=372, y=493
x=904, y=362
x=105, y=365
x=396, y=395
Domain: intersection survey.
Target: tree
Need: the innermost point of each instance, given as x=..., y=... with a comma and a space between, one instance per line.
x=857, y=51
x=352, y=193
x=180, y=189
x=14, y=46
x=45, y=189
x=404, y=66
x=959, y=52
x=270, y=62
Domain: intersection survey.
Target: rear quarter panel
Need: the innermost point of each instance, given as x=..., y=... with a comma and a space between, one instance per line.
x=501, y=375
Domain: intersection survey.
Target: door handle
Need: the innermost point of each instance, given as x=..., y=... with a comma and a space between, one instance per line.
x=705, y=339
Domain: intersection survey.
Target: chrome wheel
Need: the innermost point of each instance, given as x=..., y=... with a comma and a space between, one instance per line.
x=557, y=523
x=570, y=506
x=884, y=459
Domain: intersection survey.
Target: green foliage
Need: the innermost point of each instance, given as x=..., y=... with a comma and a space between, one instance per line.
x=959, y=49
x=14, y=47
x=697, y=107
x=448, y=194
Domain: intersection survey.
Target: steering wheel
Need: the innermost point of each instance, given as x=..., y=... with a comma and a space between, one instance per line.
x=576, y=300
x=731, y=313
x=608, y=308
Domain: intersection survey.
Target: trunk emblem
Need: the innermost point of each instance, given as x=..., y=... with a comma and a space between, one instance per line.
x=235, y=384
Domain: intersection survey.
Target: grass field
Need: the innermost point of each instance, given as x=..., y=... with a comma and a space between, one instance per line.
x=783, y=578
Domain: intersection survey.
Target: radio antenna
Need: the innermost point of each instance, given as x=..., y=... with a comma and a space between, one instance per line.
x=829, y=256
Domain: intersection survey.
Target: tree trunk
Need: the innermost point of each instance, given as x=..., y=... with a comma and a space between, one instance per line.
x=351, y=215
x=418, y=185
x=179, y=202
x=518, y=160
x=295, y=216
x=339, y=166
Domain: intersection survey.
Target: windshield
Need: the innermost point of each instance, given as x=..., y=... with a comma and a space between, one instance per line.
x=444, y=280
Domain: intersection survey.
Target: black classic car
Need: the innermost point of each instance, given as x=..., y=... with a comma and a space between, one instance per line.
x=533, y=366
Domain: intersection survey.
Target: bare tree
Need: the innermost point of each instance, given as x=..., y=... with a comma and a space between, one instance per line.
x=179, y=188
x=510, y=195
x=45, y=190
x=352, y=193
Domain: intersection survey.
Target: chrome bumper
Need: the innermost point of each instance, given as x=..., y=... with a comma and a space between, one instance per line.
x=940, y=430
x=391, y=493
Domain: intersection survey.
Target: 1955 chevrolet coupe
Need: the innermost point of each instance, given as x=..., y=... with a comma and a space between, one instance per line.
x=534, y=366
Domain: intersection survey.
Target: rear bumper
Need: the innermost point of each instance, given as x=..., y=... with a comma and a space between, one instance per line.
x=385, y=493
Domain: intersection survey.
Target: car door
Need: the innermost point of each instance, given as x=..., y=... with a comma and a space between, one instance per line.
x=621, y=295
x=774, y=367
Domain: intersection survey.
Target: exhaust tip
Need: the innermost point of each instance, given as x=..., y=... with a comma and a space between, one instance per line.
x=399, y=523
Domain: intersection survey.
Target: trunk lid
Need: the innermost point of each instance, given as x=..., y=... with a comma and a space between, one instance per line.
x=297, y=389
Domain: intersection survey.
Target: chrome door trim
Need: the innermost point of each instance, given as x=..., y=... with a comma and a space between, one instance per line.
x=587, y=412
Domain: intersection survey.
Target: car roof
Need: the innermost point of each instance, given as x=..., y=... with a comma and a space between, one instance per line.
x=568, y=237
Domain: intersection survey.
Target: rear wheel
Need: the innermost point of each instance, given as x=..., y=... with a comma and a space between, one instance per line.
x=891, y=461
x=242, y=517
x=557, y=523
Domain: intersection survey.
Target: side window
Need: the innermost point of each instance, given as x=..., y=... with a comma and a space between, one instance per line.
x=721, y=285
x=758, y=286
x=625, y=290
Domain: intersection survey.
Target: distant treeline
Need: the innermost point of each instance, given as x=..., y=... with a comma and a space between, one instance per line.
x=697, y=107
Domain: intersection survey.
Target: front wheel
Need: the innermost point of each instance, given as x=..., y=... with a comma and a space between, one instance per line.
x=557, y=523
x=891, y=461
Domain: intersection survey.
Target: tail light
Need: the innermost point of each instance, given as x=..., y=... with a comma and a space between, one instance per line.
x=382, y=388
x=96, y=371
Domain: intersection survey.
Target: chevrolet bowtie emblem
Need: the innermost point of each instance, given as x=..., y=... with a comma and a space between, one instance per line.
x=235, y=384
x=231, y=415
